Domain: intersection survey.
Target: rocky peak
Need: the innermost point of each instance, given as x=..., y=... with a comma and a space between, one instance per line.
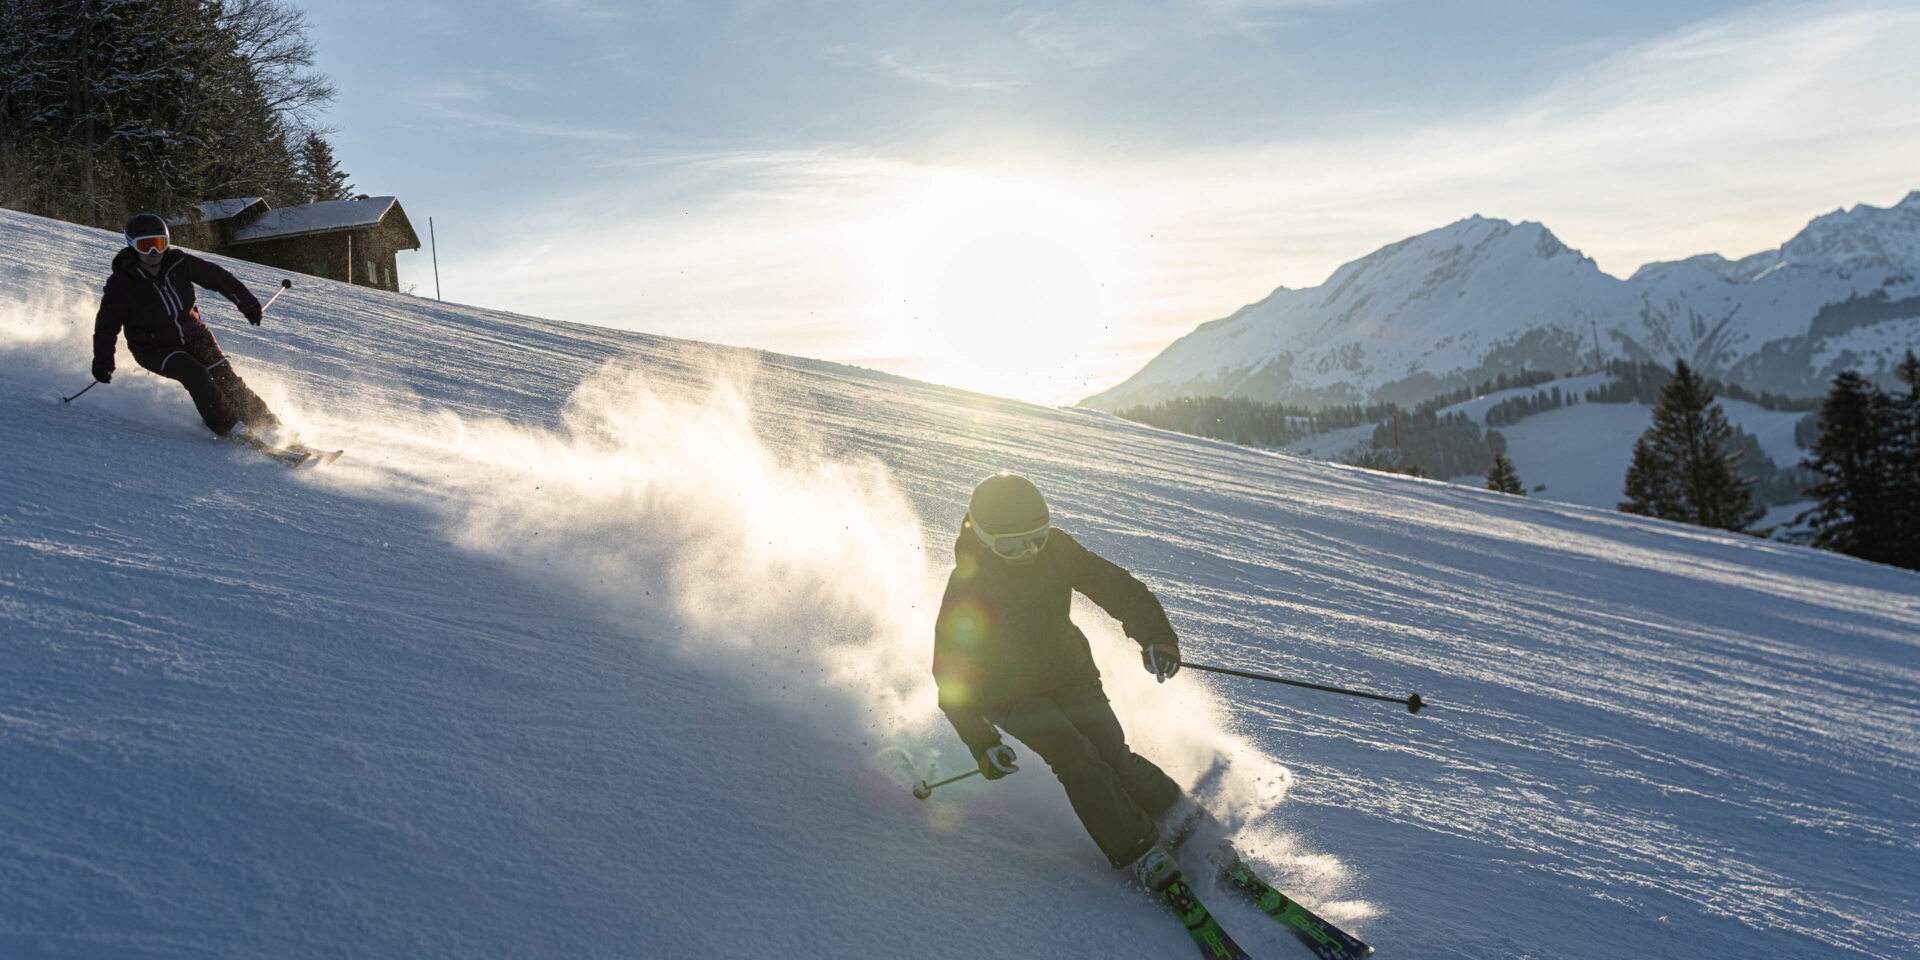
x=1865, y=236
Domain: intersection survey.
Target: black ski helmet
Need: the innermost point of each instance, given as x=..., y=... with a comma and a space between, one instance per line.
x=146, y=225
x=1007, y=503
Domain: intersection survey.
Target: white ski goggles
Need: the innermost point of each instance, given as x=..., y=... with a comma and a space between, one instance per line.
x=1013, y=546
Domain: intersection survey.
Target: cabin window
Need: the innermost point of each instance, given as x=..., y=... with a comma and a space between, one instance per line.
x=320, y=269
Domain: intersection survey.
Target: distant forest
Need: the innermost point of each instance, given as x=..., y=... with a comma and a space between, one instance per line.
x=1421, y=441
x=1640, y=382
x=112, y=107
x=1774, y=484
x=1424, y=442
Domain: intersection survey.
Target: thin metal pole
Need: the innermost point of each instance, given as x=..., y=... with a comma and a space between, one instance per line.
x=1412, y=703
x=923, y=789
x=434, y=244
x=284, y=285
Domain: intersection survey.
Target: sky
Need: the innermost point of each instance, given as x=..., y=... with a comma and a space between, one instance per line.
x=1032, y=199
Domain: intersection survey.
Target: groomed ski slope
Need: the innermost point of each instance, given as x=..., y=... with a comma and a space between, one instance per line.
x=598, y=644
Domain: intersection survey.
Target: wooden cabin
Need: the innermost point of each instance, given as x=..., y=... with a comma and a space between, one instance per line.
x=351, y=240
x=209, y=226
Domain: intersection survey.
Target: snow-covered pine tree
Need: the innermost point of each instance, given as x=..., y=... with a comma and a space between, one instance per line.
x=30, y=64
x=113, y=106
x=64, y=64
x=1685, y=466
x=1502, y=478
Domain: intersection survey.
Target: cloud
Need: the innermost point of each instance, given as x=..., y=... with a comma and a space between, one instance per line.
x=1084, y=34
x=944, y=78
x=1725, y=136
x=941, y=76
x=582, y=13
x=460, y=102
x=1728, y=136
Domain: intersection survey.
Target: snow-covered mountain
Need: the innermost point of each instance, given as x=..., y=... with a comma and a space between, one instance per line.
x=1457, y=305
x=598, y=644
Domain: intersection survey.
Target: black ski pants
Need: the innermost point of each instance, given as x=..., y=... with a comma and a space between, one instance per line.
x=218, y=393
x=1117, y=793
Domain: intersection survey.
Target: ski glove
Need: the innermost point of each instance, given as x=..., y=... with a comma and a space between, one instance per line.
x=253, y=316
x=103, y=371
x=997, y=761
x=1162, y=660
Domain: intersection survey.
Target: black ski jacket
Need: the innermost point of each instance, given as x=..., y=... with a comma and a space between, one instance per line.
x=1004, y=633
x=158, y=313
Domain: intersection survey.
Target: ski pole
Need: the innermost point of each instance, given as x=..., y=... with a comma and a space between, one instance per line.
x=284, y=284
x=923, y=789
x=1413, y=703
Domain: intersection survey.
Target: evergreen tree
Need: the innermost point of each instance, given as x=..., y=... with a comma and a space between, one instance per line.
x=113, y=106
x=1867, y=454
x=1686, y=466
x=1903, y=455
x=1652, y=486
x=1853, y=513
x=319, y=173
x=1501, y=477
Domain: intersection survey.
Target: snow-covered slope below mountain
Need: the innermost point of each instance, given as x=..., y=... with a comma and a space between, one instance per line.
x=1457, y=305
x=597, y=644
x=1578, y=453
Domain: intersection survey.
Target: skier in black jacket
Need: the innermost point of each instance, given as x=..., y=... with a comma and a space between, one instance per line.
x=1006, y=655
x=150, y=295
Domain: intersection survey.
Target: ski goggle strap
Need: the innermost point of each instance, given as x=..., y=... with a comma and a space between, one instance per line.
x=148, y=245
x=1013, y=546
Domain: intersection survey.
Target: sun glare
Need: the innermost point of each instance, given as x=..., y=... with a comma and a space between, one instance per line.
x=998, y=282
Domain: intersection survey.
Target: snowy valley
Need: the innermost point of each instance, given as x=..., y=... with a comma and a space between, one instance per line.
x=1578, y=453
x=600, y=644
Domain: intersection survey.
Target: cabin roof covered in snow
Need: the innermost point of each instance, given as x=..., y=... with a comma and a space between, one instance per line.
x=327, y=216
x=217, y=210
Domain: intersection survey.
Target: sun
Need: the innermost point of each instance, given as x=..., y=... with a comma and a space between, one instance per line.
x=997, y=282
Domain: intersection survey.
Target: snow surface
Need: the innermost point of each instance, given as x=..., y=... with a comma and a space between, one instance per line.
x=598, y=644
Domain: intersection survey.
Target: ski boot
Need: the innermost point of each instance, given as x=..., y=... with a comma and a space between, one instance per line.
x=1155, y=869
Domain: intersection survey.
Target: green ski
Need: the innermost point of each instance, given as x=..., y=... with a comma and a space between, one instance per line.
x=1213, y=942
x=1327, y=941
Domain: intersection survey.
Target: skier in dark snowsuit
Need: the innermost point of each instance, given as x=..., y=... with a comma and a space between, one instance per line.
x=1006, y=655
x=150, y=295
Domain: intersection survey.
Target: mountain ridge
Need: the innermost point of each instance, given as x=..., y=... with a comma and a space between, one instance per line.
x=1481, y=296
